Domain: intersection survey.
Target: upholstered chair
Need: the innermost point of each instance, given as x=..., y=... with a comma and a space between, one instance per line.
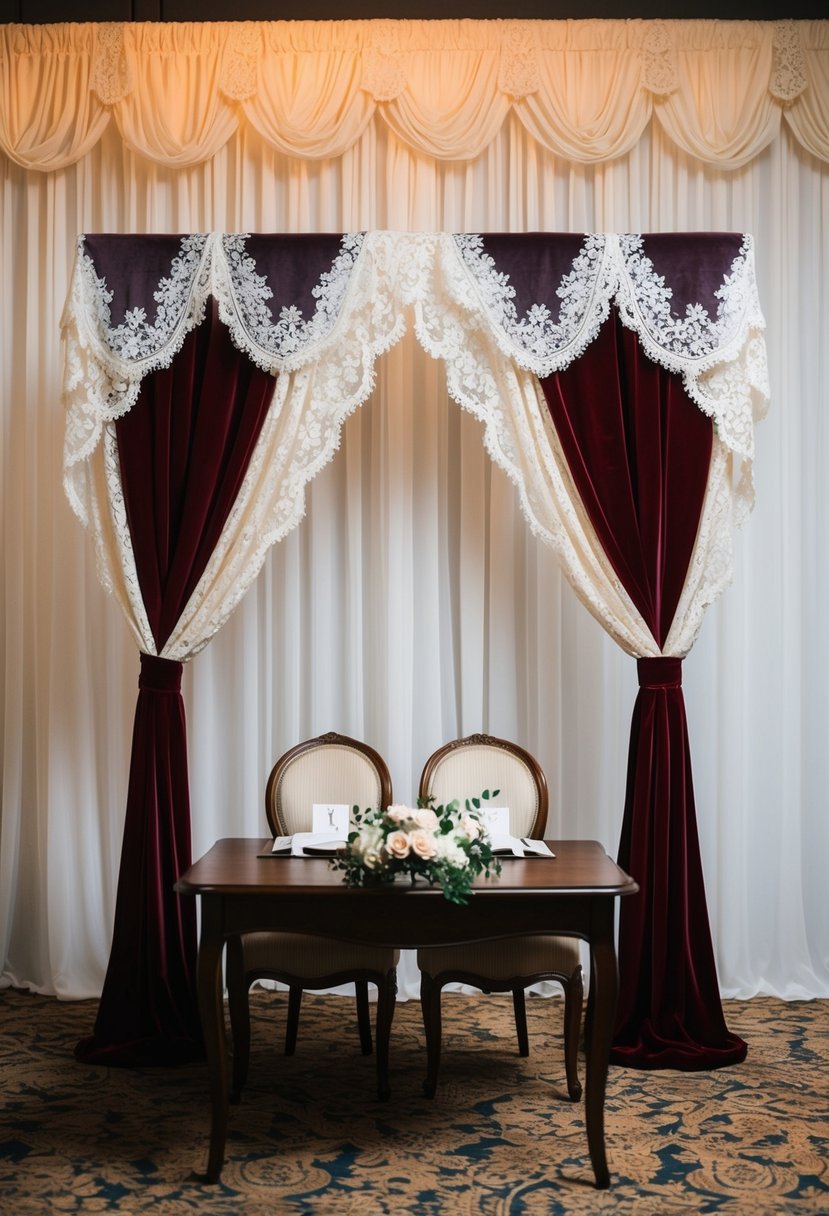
x=331, y=768
x=463, y=769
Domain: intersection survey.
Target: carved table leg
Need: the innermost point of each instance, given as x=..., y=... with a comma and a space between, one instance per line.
x=602, y=1009
x=211, y=1010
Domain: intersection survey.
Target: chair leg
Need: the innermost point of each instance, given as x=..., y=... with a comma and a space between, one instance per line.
x=430, y=1008
x=573, y=1001
x=363, y=1016
x=292, y=1025
x=386, y=997
x=239, y=1009
x=521, y=1021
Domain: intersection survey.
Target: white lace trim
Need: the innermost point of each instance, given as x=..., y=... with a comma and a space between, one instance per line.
x=659, y=75
x=239, y=78
x=384, y=73
x=464, y=313
x=789, y=77
x=711, y=568
x=110, y=72
x=722, y=361
x=291, y=341
x=105, y=364
x=300, y=436
x=518, y=74
x=537, y=341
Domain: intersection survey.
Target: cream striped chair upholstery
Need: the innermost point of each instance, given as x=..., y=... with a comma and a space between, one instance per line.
x=335, y=769
x=463, y=769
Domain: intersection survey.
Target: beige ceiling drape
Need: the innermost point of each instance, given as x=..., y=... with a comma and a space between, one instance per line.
x=583, y=90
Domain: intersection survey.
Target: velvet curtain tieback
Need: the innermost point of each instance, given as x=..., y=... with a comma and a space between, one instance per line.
x=160, y=675
x=669, y=1013
x=661, y=672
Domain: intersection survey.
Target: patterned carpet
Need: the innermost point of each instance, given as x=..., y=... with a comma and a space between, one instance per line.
x=500, y=1138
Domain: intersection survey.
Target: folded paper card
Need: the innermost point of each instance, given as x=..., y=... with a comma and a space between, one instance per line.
x=308, y=844
x=333, y=818
x=496, y=821
x=504, y=845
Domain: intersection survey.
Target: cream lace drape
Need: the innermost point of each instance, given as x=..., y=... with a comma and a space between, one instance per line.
x=462, y=309
x=584, y=90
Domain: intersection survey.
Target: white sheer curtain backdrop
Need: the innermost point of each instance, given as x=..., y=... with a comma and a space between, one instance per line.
x=412, y=604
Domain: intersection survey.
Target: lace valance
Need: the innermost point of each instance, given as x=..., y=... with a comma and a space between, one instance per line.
x=338, y=301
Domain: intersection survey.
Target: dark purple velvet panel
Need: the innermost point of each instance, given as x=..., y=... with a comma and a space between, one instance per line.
x=132, y=266
x=639, y=452
x=184, y=449
x=669, y=1013
x=535, y=263
x=148, y=1012
x=293, y=266
x=693, y=265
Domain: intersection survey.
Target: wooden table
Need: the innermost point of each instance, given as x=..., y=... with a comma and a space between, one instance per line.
x=574, y=894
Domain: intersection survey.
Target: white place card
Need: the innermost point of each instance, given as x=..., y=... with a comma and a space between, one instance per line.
x=331, y=818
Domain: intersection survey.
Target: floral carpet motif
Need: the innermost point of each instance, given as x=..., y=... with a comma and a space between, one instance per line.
x=499, y=1139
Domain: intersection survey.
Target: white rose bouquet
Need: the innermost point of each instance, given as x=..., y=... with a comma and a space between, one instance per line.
x=443, y=844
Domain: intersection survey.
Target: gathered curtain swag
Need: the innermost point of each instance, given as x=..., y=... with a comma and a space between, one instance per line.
x=584, y=90
x=618, y=378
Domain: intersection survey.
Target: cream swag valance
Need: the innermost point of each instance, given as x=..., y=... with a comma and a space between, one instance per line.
x=585, y=90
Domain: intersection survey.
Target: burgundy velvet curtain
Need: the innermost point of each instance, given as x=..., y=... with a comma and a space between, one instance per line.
x=639, y=452
x=184, y=449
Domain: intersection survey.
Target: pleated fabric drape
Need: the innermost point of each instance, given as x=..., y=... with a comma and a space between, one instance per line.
x=451, y=615
x=184, y=448
x=639, y=451
x=586, y=90
x=669, y=1013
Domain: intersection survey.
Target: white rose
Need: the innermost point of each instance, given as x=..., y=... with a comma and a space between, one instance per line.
x=399, y=814
x=397, y=844
x=426, y=818
x=470, y=826
x=422, y=844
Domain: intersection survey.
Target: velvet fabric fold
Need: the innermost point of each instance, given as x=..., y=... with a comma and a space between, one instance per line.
x=639, y=451
x=669, y=1013
x=148, y=1013
x=183, y=449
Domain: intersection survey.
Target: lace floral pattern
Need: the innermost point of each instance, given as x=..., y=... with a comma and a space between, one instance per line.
x=105, y=364
x=789, y=75
x=464, y=313
x=274, y=345
x=300, y=436
x=721, y=360
x=659, y=60
x=518, y=69
x=238, y=79
x=110, y=72
x=137, y=339
x=384, y=74
x=536, y=340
